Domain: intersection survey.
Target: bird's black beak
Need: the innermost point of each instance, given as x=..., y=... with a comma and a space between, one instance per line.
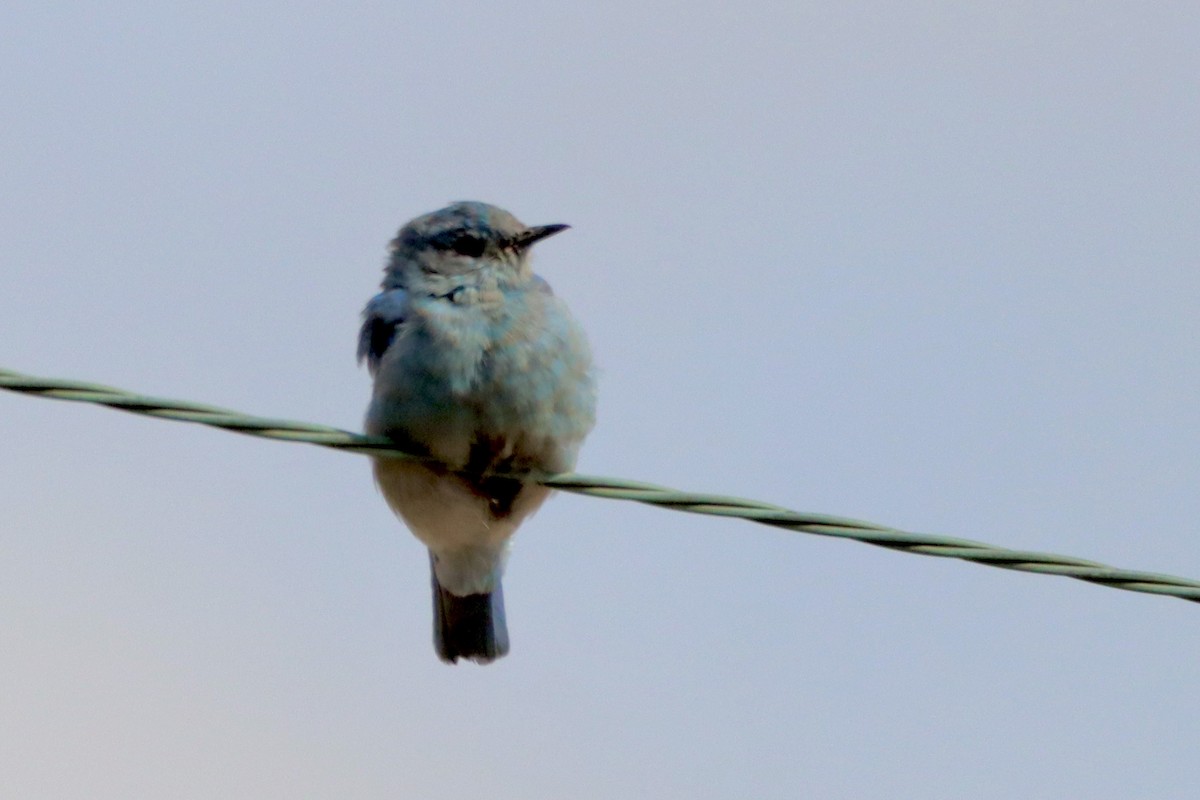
x=537, y=233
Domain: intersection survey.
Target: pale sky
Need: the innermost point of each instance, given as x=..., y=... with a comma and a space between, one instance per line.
x=933, y=265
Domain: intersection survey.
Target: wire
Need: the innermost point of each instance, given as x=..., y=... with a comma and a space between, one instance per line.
x=619, y=489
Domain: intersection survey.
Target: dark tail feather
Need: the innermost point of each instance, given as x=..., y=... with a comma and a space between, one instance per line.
x=470, y=627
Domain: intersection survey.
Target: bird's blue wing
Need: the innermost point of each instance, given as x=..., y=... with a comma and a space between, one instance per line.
x=382, y=320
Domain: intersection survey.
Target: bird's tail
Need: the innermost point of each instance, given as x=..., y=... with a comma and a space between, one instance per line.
x=470, y=627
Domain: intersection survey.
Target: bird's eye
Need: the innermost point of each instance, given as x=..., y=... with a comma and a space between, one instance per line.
x=468, y=245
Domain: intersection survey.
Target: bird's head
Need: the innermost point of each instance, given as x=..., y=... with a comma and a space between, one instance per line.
x=460, y=239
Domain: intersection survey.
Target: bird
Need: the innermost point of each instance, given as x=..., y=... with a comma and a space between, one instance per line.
x=480, y=369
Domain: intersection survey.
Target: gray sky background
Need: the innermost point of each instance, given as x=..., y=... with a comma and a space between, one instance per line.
x=935, y=265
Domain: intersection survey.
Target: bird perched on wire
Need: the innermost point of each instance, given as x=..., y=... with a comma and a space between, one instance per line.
x=478, y=365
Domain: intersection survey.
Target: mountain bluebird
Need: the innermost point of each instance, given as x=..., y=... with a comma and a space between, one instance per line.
x=479, y=366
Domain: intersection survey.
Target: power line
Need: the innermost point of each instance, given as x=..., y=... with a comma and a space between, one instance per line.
x=619, y=489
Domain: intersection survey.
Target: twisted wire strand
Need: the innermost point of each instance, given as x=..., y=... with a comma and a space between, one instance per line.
x=621, y=489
